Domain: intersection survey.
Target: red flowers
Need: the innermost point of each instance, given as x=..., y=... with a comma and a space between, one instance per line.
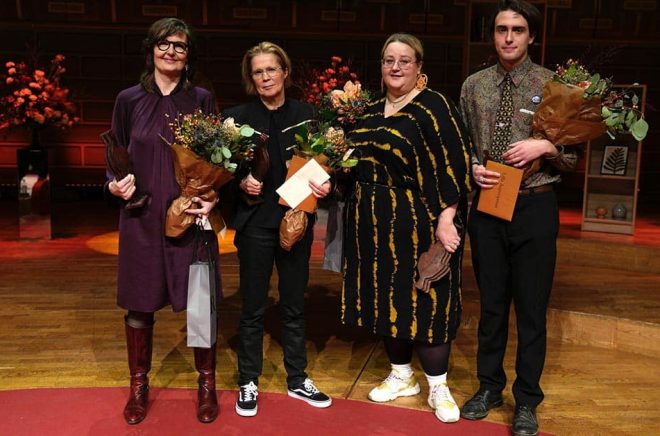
x=30, y=95
x=322, y=82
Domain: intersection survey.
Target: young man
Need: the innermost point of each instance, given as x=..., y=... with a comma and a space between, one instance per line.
x=512, y=260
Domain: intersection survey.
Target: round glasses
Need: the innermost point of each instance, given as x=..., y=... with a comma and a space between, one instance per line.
x=179, y=47
x=403, y=63
x=267, y=72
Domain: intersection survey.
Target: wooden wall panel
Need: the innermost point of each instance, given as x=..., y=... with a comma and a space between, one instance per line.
x=146, y=12
x=80, y=11
x=250, y=15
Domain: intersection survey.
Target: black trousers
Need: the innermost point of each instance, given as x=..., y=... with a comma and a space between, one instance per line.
x=515, y=261
x=258, y=249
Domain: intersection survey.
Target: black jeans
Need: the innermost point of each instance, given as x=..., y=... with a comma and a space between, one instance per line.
x=515, y=261
x=258, y=249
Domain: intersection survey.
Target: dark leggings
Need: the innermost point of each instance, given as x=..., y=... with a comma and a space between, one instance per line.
x=433, y=357
x=139, y=320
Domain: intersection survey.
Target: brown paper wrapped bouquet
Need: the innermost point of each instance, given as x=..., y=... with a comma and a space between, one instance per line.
x=207, y=152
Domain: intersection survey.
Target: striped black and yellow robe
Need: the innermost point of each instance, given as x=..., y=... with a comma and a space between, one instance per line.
x=413, y=164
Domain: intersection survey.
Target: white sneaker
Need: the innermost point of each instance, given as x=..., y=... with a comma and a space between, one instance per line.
x=394, y=387
x=445, y=407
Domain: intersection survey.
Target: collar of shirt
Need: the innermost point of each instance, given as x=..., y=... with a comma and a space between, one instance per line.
x=518, y=73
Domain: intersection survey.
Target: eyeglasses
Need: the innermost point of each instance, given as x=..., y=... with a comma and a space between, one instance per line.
x=179, y=47
x=268, y=72
x=403, y=63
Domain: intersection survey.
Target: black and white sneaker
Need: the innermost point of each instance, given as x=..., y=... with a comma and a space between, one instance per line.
x=307, y=392
x=246, y=404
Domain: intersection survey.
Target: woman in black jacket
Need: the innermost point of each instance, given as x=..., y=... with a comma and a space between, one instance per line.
x=266, y=71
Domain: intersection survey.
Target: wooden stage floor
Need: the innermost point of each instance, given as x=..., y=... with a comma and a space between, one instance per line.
x=59, y=326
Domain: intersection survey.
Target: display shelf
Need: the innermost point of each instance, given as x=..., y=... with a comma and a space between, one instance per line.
x=610, y=191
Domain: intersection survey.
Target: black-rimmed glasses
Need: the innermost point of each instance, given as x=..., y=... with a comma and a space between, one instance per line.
x=268, y=72
x=179, y=47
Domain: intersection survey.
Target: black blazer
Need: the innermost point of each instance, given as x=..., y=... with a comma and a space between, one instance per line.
x=257, y=116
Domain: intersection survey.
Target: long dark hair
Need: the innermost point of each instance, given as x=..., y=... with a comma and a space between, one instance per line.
x=528, y=11
x=158, y=31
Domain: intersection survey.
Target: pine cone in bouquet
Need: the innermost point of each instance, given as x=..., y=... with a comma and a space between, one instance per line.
x=119, y=162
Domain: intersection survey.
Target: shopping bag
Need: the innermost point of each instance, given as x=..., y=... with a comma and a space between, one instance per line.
x=201, y=310
x=332, y=254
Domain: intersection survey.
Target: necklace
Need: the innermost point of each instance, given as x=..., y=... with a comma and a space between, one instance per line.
x=395, y=103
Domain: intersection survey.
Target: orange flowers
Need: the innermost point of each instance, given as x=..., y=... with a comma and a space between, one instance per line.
x=32, y=96
x=326, y=80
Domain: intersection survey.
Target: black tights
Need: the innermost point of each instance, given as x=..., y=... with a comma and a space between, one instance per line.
x=139, y=320
x=433, y=357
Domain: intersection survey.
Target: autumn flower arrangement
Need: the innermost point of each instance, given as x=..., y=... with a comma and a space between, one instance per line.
x=337, y=94
x=340, y=101
x=220, y=142
x=35, y=97
x=579, y=106
x=207, y=152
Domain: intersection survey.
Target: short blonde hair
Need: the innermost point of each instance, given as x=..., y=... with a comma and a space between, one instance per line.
x=408, y=39
x=264, y=47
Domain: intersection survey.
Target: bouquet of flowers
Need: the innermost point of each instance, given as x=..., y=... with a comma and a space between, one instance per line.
x=321, y=82
x=337, y=94
x=340, y=101
x=34, y=96
x=579, y=106
x=207, y=152
x=325, y=143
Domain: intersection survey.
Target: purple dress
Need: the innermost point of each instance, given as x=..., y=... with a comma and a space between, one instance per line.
x=153, y=269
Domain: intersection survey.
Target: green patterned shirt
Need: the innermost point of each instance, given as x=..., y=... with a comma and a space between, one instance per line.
x=480, y=98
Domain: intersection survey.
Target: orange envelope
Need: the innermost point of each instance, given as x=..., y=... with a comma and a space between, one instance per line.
x=309, y=203
x=500, y=200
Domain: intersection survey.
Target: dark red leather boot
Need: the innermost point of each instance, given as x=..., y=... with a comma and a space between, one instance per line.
x=139, y=343
x=207, y=402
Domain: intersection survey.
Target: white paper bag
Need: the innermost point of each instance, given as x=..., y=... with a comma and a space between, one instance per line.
x=201, y=309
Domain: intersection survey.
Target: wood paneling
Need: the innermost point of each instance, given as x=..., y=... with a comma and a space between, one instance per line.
x=103, y=47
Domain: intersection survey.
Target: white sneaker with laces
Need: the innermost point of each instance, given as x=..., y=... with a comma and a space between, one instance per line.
x=394, y=387
x=445, y=407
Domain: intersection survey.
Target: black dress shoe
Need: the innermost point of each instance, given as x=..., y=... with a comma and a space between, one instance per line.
x=478, y=406
x=524, y=422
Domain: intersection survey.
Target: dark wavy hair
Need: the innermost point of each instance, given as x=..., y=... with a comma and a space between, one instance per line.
x=528, y=11
x=158, y=31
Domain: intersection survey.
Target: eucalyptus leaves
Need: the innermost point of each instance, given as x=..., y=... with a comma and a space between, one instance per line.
x=220, y=142
x=325, y=143
x=619, y=109
x=621, y=114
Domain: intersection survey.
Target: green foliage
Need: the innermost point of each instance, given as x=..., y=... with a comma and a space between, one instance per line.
x=619, y=109
x=221, y=142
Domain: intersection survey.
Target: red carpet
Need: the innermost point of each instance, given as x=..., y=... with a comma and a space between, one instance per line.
x=98, y=411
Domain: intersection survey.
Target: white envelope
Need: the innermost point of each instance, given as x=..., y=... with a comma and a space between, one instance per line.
x=296, y=188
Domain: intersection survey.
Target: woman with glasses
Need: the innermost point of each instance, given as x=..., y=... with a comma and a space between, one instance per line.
x=266, y=71
x=410, y=192
x=153, y=269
